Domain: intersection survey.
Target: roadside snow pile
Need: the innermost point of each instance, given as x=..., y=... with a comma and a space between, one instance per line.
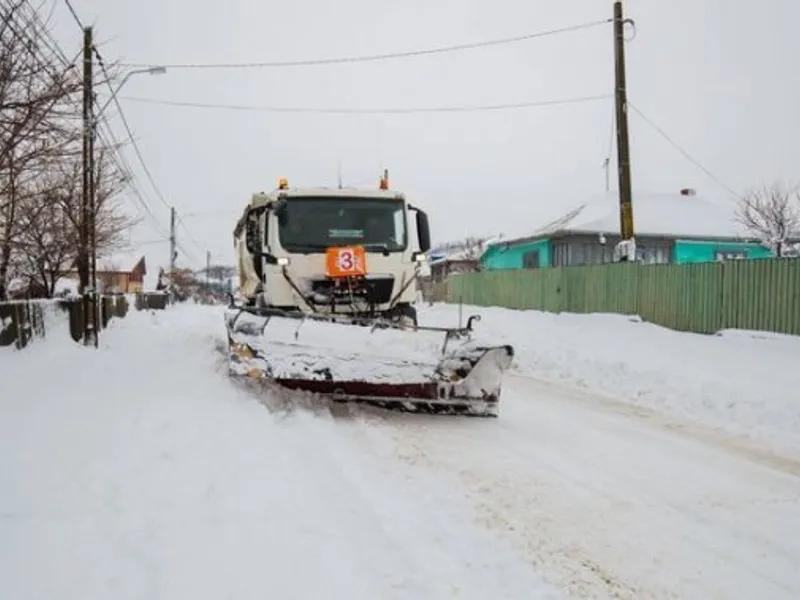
x=744, y=383
x=140, y=471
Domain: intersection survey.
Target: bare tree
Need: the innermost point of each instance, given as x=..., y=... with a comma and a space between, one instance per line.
x=35, y=113
x=772, y=214
x=52, y=221
x=41, y=195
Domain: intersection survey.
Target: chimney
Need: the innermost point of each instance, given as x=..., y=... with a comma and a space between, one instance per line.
x=688, y=192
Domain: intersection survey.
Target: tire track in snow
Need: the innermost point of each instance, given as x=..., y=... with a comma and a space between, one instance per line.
x=737, y=445
x=609, y=505
x=431, y=545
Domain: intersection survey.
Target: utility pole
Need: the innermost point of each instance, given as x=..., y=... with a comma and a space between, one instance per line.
x=172, y=252
x=96, y=303
x=208, y=270
x=86, y=200
x=623, y=150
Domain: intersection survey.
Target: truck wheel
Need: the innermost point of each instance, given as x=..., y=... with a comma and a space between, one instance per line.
x=405, y=315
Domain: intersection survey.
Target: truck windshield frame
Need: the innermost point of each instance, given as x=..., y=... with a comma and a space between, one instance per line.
x=311, y=224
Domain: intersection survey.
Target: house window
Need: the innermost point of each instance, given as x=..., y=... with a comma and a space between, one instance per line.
x=530, y=260
x=729, y=255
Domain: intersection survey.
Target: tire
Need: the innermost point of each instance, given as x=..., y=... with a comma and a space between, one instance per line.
x=406, y=315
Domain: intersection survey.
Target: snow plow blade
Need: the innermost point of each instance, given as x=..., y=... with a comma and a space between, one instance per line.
x=422, y=369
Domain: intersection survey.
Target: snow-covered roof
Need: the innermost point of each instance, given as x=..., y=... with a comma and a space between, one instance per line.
x=119, y=261
x=461, y=250
x=673, y=215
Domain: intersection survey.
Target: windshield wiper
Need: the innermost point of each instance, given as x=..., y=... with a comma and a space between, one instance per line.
x=382, y=247
x=306, y=247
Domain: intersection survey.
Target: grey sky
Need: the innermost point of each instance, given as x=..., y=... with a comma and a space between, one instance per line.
x=716, y=75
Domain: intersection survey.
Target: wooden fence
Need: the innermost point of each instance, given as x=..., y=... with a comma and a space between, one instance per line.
x=761, y=295
x=22, y=321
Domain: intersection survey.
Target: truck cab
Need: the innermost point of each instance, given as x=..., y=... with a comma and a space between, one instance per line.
x=332, y=250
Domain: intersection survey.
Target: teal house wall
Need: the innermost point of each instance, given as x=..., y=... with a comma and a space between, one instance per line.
x=502, y=256
x=686, y=251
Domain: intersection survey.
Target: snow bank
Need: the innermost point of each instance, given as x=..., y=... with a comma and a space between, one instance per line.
x=140, y=470
x=744, y=383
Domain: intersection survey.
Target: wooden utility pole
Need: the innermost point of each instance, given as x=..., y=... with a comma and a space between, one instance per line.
x=172, y=253
x=86, y=200
x=623, y=150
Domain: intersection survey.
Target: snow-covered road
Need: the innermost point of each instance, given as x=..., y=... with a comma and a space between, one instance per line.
x=141, y=471
x=612, y=502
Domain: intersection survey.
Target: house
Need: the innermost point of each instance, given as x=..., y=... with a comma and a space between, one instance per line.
x=442, y=268
x=118, y=273
x=457, y=257
x=669, y=228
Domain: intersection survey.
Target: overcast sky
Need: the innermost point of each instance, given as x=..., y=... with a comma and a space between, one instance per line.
x=718, y=76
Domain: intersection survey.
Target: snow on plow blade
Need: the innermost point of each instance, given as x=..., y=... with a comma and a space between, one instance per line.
x=432, y=370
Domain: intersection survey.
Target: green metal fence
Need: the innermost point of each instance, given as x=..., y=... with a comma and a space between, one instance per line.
x=759, y=295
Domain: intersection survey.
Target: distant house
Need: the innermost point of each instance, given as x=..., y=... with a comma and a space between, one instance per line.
x=668, y=228
x=448, y=265
x=119, y=274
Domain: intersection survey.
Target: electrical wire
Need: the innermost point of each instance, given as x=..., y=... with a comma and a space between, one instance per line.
x=74, y=13
x=125, y=169
x=686, y=155
x=137, y=150
x=361, y=111
x=119, y=159
x=189, y=234
x=378, y=57
x=117, y=156
x=128, y=128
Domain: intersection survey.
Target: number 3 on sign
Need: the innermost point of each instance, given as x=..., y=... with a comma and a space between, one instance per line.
x=349, y=261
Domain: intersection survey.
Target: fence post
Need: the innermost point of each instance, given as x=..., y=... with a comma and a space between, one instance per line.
x=722, y=308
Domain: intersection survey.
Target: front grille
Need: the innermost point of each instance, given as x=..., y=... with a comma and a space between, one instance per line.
x=377, y=290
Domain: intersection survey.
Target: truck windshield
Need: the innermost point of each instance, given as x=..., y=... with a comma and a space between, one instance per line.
x=312, y=224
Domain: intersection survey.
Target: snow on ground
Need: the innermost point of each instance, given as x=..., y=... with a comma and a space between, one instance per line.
x=140, y=471
x=744, y=383
x=607, y=505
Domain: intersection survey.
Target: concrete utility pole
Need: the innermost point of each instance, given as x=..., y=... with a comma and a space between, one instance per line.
x=172, y=253
x=623, y=150
x=89, y=323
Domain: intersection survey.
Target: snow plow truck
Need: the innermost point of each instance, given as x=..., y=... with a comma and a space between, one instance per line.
x=326, y=304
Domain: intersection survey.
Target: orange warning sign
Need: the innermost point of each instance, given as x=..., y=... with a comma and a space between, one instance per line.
x=349, y=261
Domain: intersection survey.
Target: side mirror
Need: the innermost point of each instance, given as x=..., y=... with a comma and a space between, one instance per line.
x=271, y=259
x=423, y=231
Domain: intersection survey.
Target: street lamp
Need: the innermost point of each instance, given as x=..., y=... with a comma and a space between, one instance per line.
x=157, y=70
x=89, y=154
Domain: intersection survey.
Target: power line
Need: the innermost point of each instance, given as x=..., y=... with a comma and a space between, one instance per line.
x=189, y=234
x=360, y=111
x=128, y=128
x=125, y=169
x=378, y=57
x=117, y=156
x=137, y=192
x=686, y=155
x=74, y=13
x=136, y=146
x=48, y=41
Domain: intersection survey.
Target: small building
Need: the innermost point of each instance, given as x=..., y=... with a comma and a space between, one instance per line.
x=442, y=268
x=457, y=257
x=669, y=228
x=118, y=273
